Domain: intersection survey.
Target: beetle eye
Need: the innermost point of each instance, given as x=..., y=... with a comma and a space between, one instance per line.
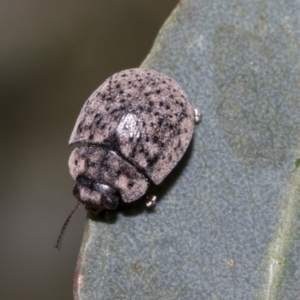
x=111, y=197
x=85, y=181
x=96, y=196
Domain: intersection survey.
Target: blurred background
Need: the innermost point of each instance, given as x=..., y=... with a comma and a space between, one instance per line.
x=53, y=55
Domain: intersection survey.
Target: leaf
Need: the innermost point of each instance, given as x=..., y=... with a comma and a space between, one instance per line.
x=227, y=222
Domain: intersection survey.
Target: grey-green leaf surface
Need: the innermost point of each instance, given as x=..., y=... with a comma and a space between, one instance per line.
x=227, y=224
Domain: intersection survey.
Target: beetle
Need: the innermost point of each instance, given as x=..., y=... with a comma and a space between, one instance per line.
x=134, y=129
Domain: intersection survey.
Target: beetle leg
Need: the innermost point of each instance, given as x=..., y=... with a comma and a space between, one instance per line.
x=198, y=116
x=150, y=200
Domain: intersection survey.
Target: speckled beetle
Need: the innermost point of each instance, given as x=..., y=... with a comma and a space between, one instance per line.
x=134, y=129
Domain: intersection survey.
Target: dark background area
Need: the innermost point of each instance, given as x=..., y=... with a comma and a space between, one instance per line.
x=53, y=55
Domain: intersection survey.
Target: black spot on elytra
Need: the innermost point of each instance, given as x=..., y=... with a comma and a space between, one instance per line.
x=122, y=100
x=167, y=106
x=152, y=161
x=133, y=152
x=76, y=162
x=103, y=126
x=183, y=115
x=130, y=184
x=146, y=154
x=161, y=104
x=149, y=109
x=155, y=139
x=147, y=139
x=151, y=103
x=157, y=92
x=87, y=162
x=146, y=94
x=107, y=108
x=114, y=110
x=91, y=136
x=92, y=165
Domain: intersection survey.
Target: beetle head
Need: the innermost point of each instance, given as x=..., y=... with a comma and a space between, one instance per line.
x=94, y=195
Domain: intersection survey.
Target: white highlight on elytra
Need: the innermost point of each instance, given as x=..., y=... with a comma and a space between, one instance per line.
x=129, y=126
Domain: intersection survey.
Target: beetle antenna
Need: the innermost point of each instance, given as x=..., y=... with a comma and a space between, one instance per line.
x=63, y=229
